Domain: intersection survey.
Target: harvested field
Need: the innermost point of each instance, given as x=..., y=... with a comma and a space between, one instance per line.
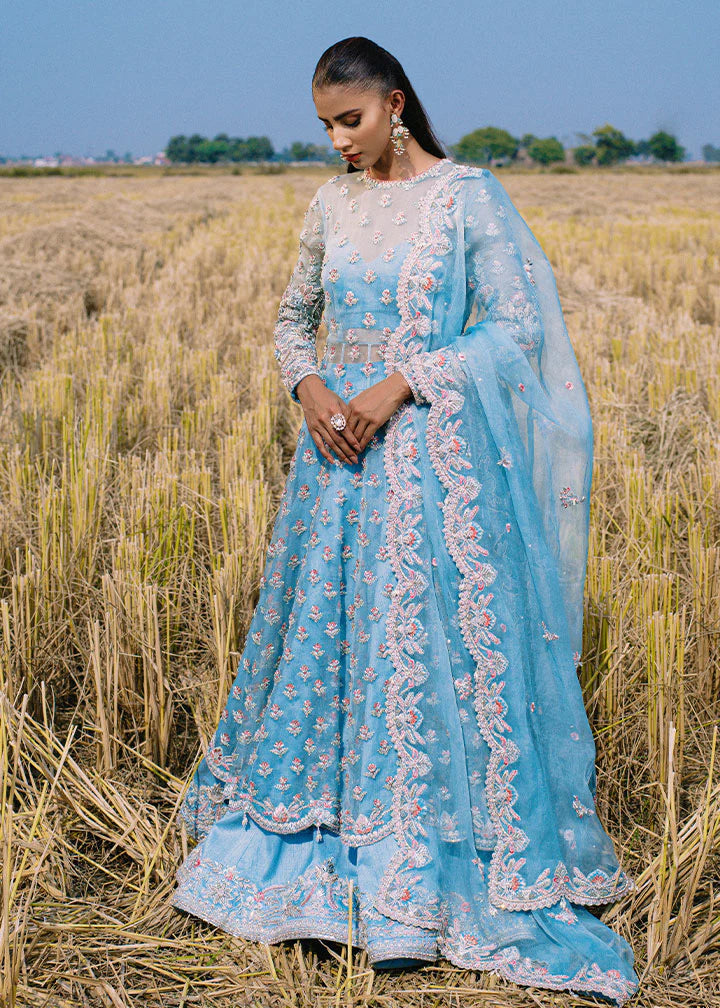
x=144, y=439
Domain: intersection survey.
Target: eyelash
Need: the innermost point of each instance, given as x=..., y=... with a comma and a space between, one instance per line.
x=349, y=125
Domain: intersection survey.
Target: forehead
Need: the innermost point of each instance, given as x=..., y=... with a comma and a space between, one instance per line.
x=333, y=100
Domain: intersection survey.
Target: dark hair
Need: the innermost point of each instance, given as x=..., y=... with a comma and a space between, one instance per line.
x=362, y=63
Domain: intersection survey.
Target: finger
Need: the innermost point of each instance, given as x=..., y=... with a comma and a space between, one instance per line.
x=361, y=429
x=368, y=435
x=320, y=444
x=347, y=432
x=341, y=446
x=350, y=431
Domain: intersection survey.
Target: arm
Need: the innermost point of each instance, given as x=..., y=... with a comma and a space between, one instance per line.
x=302, y=305
x=497, y=280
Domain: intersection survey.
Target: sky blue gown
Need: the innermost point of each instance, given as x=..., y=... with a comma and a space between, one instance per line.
x=407, y=714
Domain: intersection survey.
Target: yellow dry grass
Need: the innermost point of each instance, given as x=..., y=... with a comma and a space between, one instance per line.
x=144, y=436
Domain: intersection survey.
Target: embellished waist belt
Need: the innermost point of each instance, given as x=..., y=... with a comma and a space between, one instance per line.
x=357, y=345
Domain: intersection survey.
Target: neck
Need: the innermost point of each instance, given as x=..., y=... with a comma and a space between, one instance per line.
x=391, y=166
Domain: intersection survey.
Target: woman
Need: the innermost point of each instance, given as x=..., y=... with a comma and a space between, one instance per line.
x=406, y=730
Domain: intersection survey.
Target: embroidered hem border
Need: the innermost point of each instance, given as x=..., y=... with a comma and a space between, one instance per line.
x=323, y=898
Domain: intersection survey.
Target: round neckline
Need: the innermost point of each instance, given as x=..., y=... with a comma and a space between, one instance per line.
x=434, y=169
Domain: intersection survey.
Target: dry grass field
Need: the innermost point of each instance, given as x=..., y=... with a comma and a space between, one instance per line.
x=144, y=436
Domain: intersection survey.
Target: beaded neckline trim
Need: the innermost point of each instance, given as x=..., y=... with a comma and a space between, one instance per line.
x=434, y=169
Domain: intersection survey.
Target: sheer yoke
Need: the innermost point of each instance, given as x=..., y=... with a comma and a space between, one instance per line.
x=407, y=713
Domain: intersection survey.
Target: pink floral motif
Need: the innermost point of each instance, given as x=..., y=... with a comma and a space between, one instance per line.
x=568, y=498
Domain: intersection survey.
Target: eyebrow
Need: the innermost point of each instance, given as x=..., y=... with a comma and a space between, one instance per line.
x=342, y=114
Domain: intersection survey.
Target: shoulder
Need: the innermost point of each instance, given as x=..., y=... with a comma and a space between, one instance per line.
x=340, y=186
x=333, y=189
x=474, y=179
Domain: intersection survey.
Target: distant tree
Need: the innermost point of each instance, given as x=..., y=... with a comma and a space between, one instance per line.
x=710, y=153
x=194, y=147
x=299, y=151
x=584, y=154
x=127, y=157
x=259, y=148
x=526, y=139
x=238, y=150
x=311, y=152
x=546, y=151
x=110, y=155
x=664, y=147
x=177, y=149
x=612, y=145
x=485, y=145
x=198, y=149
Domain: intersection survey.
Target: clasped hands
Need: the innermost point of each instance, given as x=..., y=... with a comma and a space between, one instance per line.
x=365, y=413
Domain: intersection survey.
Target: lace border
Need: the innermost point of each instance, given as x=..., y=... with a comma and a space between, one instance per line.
x=439, y=386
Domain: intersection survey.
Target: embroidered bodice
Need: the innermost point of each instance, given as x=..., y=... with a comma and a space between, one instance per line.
x=356, y=269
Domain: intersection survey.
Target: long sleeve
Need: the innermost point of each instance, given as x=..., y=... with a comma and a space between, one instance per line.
x=301, y=306
x=498, y=282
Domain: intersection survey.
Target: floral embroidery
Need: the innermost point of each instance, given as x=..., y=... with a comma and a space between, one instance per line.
x=317, y=904
x=302, y=305
x=580, y=808
x=568, y=498
x=289, y=749
x=507, y=888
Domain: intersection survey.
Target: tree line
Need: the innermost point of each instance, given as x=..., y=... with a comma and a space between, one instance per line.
x=606, y=145
x=198, y=149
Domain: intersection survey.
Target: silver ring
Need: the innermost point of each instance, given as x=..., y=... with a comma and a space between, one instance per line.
x=338, y=421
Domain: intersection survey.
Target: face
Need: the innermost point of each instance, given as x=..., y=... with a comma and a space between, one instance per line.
x=357, y=121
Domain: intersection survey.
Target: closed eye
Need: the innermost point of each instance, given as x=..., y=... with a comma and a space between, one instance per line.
x=351, y=125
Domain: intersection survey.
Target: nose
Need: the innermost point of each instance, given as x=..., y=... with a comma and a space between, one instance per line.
x=341, y=143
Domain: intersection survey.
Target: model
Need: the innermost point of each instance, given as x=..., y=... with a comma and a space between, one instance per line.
x=407, y=715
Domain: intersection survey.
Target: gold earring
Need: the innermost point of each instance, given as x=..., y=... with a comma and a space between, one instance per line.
x=399, y=132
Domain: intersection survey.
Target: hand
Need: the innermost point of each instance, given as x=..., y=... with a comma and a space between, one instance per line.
x=319, y=403
x=374, y=406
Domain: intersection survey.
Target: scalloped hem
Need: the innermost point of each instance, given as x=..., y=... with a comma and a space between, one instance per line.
x=301, y=889
x=520, y=970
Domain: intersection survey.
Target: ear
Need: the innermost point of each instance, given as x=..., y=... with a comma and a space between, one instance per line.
x=396, y=101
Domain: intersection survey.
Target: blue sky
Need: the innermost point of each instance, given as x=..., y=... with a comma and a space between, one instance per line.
x=82, y=76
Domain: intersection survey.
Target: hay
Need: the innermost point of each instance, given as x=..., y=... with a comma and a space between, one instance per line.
x=144, y=437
